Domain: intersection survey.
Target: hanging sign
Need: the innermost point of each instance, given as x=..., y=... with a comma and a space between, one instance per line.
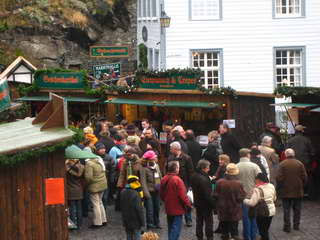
x=4, y=96
x=111, y=68
x=60, y=80
x=186, y=82
x=55, y=191
x=110, y=51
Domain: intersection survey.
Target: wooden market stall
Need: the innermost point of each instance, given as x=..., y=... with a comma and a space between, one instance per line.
x=32, y=175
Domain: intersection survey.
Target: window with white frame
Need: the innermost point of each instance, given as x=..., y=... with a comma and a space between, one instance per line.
x=205, y=9
x=289, y=67
x=144, y=8
x=154, y=8
x=139, y=8
x=289, y=8
x=210, y=64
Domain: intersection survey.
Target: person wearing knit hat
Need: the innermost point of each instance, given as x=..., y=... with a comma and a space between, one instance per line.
x=230, y=194
x=132, y=208
x=88, y=134
x=152, y=195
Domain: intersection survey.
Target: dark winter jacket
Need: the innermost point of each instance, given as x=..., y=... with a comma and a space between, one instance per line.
x=230, y=194
x=195, y=151
x=131, y=209
x=302, y=147
x=184, y=146
x=211, y=154
x=174, y=194
x=202, y=191
x=154, y=143
x=186, y=167
x=291, y=178
x=108, y=142
x=74, y=175
x=220, y=173
x=230, y=146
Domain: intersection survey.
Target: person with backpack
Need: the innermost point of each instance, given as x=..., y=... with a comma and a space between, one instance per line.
x=257, y=158
x=264, y=191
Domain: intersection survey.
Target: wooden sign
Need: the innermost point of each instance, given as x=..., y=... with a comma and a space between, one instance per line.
x=54, y=191
x=4, y=96
x=174, y=82
x=115, y=51
x=60, y=80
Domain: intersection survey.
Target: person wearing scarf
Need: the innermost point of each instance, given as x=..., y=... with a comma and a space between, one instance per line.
x=132, y=208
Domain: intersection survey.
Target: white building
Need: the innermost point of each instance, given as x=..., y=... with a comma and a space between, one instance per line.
x=249, y=45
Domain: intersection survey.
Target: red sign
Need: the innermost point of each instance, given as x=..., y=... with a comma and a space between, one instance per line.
x=55, y=191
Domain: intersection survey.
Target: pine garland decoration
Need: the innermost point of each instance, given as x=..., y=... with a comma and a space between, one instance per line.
x=296, y=91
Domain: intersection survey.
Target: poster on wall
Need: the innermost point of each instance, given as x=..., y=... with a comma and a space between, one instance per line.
x=230, y=122
x=54, y=191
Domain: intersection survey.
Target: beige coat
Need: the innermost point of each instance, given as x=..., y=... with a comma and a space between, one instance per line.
x=270, y=197
x=272, y=159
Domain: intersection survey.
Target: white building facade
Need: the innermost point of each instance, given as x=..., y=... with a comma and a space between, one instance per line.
x=252, y=46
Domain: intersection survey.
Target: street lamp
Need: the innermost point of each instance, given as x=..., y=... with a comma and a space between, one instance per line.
x=165, y=20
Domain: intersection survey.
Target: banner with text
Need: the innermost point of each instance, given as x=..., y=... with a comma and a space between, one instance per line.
x=60, y=80
x=183, y=82
x=4, y=96
x=111, y=68
x=110, y=51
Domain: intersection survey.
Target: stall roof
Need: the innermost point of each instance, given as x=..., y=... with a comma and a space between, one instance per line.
x=22, y=135
x=68, y=99
x=315, y=110
x=162, y=103
x=297, y=105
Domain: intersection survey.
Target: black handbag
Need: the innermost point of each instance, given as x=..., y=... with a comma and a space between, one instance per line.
x=261, y=209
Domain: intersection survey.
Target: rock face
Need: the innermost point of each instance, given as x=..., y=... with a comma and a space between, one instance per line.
x=59, y=33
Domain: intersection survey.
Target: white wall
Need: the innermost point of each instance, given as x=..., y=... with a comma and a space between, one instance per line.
x=247, y=34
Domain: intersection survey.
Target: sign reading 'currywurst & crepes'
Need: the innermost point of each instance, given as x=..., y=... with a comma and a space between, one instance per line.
x=174, y=82
x=60, y=80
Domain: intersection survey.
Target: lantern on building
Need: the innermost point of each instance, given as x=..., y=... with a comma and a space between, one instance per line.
x=165, y=20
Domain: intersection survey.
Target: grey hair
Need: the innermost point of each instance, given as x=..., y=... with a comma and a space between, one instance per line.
x=289, y=152
x=175, y=145
x=266, y=140
x=202, y=164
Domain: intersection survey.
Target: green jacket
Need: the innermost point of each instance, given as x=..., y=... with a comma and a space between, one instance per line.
x=95, y=176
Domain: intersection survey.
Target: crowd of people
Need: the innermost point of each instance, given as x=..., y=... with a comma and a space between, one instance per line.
x=226, y=179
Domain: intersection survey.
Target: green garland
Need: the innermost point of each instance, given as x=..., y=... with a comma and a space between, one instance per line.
x=297, y=91
x=12, y=160
x=221, y=91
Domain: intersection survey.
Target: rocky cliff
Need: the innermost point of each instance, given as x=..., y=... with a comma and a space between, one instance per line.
x=58, y=33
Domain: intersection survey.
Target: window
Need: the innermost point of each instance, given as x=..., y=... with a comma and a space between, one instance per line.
x=289, y=8
x=205, y=9
x=149, y=8
x=289, y=67
x=156, y=59
x=140, y=8
x=210, y=64
x=150, y=58
x=144, y=8
x=154, y=8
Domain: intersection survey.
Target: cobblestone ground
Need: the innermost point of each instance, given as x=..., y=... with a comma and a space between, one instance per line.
x=309, y=230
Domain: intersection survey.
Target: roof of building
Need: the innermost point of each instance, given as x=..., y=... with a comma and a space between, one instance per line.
x=14, y=65
x=22, y=135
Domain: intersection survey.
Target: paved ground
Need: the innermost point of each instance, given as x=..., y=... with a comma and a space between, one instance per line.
x=310, y=227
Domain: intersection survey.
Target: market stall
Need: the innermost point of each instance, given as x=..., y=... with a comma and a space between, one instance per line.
x=32, y=175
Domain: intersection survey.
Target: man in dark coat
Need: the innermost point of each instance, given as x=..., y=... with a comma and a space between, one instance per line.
x=272, y=131
x=230, y=194
x=176, y=137
x=229, y=143
x=149, y=142
x=291, y=179
x=174, y=194
x=186, y=170
x=302, y=147
x=194, y=147
x=203, y=199
x=132, y=208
